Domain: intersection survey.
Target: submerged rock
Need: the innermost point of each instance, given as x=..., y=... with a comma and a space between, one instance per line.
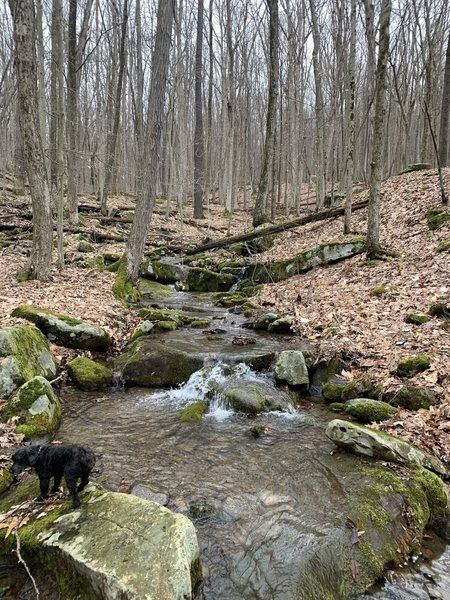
x=24, y=354
x=370, y=442
x=64, y=330
x=253, y=397
x=193, y=413
x=38, y=409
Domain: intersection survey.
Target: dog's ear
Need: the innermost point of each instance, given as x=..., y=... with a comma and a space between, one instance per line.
x=33, y=454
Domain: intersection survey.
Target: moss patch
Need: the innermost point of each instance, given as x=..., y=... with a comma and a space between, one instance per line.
x=378, y=292
x=367, y=410
x=444, y=246
x=437, y=216
x=415, y=167
x=416, y=319
x=122, y=288
x=88, y=374
x=440, y=310
x=194, y=412
x=413, y=365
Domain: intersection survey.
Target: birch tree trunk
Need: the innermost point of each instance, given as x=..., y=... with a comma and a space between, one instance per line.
x=373, y=221
x=260, y=210
x=24, y=22
x=149, y=156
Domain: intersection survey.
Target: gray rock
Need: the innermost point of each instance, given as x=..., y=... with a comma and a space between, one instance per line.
x=253, y=397
x=38, y=409
x=121, y=546
x=290, y=366
x=143, y=491
x=412, y=397
x=24, y=353
x=65, y=331
x=370, y=442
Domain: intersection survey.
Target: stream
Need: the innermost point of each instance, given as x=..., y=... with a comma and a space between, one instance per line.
x=263, y=507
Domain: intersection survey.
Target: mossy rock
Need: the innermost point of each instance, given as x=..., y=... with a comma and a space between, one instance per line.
x=88, y=374
x=84, y=246
x=203, y=280
x=337, y=407
x=110, y=258
x=290, y=367
x=154, y=289
x=232, y=299
x=444, y=246
x=73, y=547
x=263, y=321
x=146, y=362
x=413, y=365
x=163, y=271
x=440, y=310
x=6, y=479
x=322, y=373
x=322, y=254
x=332, y=391
x=378, y=292
x=193, y=413
x=144, y=328
x=437, y=216
x=414, y=319
x=281, y=325
x=364, y=387
x=412, y=397
x=164, y=326
x=252, y=397
x=156, y=315
x=38, y=409
x=64, y=330
x=367, y=410
x=24, y=353
x=415, y=167
x=200, y=324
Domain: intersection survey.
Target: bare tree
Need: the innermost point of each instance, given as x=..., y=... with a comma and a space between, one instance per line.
x=260, y=210
x=24, y=21
x=199, y=147
x=444, y=154
x=150, y=155
x=350, y=120
x=373, y=222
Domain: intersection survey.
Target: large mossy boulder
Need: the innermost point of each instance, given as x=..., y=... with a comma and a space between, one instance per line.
x=24, y=353
x=151, y=363
x=290, y=367
x=377, y=444
x=65, y=331
x=203, y=280
x=322, y=254
x=38, y=409
x=88, y=374
x=114, y=546
x=367, y=410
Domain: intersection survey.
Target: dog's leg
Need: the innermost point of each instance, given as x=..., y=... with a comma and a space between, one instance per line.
x=44, y=483
x=84, y=481
x=56, y=481
x=72, y=487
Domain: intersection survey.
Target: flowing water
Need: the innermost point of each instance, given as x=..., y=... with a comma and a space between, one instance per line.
x=265, y=508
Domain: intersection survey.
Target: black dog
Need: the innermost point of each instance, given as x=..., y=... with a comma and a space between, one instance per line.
x=73, y=461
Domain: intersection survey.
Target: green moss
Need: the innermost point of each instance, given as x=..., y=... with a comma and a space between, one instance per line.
x=154, y=289
x=337, y=406
x=34, y=314
x=435, y=492
x=84, y=246
x=122, y=288
x=368, y=410
x=156, y=315
x=332, y=391
x=6, y=480
x=437, y=216
x=23, y=275
x=165, y=326
x=440, y=310
x=232, y=299
x=378, y=291
x=194, y=412
x=413, y=365
x=444, y=246
x=96, y=262
x=415, y=167
x=416, y=319
x=24, y=397
x=88, y=374
x=200, y=324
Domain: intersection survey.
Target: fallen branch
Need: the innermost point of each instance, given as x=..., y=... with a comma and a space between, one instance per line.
x=21, y=560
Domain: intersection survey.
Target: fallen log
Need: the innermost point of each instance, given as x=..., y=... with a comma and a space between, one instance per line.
x=245, y=237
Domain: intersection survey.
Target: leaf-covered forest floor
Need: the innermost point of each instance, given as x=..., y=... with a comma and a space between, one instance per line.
x=333, y=307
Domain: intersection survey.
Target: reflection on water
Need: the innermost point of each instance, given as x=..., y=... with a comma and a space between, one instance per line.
x=275, y=499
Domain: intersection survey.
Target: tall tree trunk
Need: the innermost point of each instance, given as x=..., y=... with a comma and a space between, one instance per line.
x=320, y=116
x=444, y=125
x=24, y=22
x=149, y=157
x=260, y=211
x=199, y=147
x=350, y=121
x=72, y=115
x=373, y=222
x=111, y=141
